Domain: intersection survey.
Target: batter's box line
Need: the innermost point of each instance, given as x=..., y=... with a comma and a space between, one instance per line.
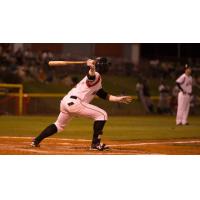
x=155, y=143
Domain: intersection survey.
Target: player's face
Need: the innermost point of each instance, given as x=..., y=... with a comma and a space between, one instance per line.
x=188, y=71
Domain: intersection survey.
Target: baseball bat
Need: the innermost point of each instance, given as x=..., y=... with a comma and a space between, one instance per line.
x=64, y=63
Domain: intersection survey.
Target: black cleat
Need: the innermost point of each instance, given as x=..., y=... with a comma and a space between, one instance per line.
x=34, y=144
x=99, y=147
x=186, y=124
x=179, y=124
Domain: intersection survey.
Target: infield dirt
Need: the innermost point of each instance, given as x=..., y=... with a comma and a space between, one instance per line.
x=58, y=146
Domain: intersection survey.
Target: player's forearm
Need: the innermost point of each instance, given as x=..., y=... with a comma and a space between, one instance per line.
x=120, y=99
x=92, y=72
x=91, y=65
x=113, y=98
x=179, y=86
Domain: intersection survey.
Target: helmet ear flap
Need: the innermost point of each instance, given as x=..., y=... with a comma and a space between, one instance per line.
x=102, y=64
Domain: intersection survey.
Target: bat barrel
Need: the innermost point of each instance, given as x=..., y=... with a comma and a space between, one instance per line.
x=64, y=63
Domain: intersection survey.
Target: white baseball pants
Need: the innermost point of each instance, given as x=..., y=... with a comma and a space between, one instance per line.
x=183, y=108
x=78, y=109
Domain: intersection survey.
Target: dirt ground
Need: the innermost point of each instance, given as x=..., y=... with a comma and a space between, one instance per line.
x=58, y=146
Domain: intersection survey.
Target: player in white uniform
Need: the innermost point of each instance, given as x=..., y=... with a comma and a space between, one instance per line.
x=184, y=82
x=77, y=103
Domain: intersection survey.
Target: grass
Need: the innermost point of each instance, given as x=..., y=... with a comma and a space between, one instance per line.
x=117, y=128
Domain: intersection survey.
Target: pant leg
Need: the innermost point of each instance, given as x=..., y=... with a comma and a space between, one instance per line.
x=180, y=108
x=63, y=118
x=144, y=103
x=91, y=111
x=186, y=110
x=99, y=116
x=81, y=109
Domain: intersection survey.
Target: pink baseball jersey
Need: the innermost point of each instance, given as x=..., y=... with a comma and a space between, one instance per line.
x=86, y=89
x=185, y=82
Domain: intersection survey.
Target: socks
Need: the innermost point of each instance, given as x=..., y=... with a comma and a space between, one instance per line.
x=50, y=130
x=98, y=131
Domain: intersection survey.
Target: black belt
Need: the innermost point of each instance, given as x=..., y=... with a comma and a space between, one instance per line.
x=73, y=97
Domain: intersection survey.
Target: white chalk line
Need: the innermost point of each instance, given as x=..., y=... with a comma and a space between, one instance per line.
x=156, y=143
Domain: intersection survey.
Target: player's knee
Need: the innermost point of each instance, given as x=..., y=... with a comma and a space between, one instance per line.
x=60, y=127
x=105, y=115
x=102, y=116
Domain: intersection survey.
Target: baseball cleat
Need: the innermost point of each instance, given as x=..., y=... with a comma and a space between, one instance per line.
x=99, y=147
x=34, y=144
x=186, y=124
x=179, y=124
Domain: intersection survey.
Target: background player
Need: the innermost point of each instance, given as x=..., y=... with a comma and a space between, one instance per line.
x=184, y=82
x=77, y=103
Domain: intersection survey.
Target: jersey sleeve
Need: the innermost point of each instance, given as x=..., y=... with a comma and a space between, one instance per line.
x=102, y=93
x=181, y=79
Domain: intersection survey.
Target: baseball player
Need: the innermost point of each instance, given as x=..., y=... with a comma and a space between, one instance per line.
x=77, y=103
x=164, y=103
x=184, y=82
x=143, y=94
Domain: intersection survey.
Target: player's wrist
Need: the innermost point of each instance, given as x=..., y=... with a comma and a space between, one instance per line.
x=91, y=72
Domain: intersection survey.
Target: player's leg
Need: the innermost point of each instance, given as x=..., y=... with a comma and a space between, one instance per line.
x=50, y=130
x=150, y=104
x=100, y=117
x=180, y=109
x=186, y=110
x=143, y=100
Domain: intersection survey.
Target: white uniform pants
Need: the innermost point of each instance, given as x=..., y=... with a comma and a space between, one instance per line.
x=78, y=108
x=183, y=108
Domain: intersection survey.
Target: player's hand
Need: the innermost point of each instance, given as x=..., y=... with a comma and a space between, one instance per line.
x=125, y=99
x=91, y=64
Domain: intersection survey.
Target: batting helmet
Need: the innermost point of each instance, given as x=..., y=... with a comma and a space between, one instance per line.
x=102, y=64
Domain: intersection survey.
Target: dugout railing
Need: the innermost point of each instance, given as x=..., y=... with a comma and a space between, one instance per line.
x=5, y=92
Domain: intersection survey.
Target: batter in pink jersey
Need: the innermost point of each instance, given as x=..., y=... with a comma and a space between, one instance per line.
x=184, y=83
x=77, y=103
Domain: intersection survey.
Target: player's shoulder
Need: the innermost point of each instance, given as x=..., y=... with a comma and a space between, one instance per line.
x=97, y=74
x=98, y=77
x=95, y=82
x=182, y=76
x=161, y=86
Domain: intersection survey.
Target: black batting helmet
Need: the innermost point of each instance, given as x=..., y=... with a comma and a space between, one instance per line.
x=102, y=64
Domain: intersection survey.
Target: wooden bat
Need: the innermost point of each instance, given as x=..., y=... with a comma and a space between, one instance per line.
x=64, y=63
